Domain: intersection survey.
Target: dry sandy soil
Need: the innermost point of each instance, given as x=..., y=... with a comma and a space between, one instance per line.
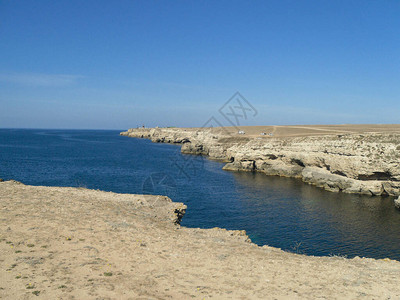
x=309, y=130
x=68, y=243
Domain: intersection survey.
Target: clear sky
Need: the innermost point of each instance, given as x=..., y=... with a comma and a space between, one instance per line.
x=119, y=64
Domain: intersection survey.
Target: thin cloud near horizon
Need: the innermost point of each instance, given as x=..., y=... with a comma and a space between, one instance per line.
x=40, y=79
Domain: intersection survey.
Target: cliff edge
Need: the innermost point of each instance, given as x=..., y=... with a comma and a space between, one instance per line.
x=74, y=243
x=349, y=159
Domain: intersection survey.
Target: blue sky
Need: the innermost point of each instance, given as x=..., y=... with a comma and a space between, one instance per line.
x=119, y=64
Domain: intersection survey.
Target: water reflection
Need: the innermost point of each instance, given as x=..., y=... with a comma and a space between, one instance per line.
x=325, y=223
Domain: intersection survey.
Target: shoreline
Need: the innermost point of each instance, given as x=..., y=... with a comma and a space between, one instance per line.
x=80, y=243
x=359, y=159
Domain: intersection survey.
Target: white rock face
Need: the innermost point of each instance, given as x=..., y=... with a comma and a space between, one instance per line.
x=397, y=203
x=352, y=163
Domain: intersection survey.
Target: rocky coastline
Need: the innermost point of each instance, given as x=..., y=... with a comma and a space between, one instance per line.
x=361, y=163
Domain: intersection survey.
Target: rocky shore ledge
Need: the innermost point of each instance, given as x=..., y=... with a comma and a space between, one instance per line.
x=75, y=243
x=362, y=159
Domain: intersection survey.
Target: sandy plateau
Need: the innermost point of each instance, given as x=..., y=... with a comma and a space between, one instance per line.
x=69, y=243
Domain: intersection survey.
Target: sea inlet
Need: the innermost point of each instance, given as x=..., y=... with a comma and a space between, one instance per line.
x=279, y=212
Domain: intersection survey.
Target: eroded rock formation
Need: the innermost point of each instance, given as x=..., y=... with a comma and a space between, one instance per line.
x=365, y=163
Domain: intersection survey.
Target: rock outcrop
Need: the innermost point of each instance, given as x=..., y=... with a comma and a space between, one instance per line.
x=397, y=203
x=365, y=163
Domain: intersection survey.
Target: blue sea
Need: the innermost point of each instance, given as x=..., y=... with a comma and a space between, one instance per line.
x=280, y=212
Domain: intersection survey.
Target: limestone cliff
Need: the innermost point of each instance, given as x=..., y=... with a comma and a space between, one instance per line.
x=366, y=163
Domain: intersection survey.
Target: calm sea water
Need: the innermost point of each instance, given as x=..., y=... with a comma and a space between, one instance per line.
x=279, y=212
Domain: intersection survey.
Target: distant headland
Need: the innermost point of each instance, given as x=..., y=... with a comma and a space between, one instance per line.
x=361, y=159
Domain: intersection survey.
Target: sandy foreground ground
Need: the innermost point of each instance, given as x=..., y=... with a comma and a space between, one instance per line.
x=69, y=243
